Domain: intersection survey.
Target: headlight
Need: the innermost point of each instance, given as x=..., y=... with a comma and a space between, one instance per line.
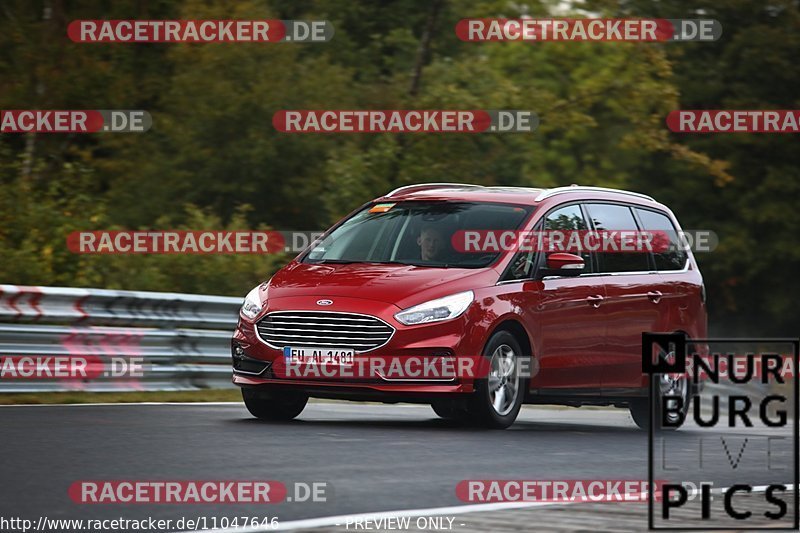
x=252, y=304
x=436, y=310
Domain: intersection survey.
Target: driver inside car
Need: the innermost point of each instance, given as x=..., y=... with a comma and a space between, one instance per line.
x=433, y=244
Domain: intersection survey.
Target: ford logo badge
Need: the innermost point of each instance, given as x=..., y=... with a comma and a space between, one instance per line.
x=324, y=302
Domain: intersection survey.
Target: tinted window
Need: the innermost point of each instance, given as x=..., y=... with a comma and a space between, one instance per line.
x=521, y=266
x=566, y=219
x=674, y=258
x=416, y=233
x=610, y=217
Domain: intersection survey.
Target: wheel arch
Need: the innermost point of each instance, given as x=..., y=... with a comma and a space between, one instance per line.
x=515, y=328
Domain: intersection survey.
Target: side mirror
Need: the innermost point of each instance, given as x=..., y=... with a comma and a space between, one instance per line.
x=564, y=264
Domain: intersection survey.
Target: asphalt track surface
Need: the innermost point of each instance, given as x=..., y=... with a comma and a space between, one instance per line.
x=373, y=457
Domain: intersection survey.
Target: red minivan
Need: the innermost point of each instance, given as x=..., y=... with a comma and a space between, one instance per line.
x=393, y=281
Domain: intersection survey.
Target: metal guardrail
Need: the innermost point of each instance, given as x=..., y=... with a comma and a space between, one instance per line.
x=183, y=340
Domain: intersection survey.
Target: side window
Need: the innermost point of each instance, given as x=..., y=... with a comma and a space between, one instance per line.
x=674, y=256
x=566, y=219
x=611, y=217
x=523, y=264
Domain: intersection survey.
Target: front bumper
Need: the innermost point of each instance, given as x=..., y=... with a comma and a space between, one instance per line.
x=447, y=339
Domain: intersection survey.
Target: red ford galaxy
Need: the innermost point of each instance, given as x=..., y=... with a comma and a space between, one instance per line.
x=418, y=297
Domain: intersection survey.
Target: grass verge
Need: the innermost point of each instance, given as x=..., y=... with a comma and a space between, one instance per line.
x=210, y=395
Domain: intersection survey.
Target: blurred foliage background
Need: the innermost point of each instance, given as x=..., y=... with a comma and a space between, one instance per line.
x=213, y=159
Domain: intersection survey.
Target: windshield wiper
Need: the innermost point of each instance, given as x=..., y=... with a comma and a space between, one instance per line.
x=332, y=262
x=350, y=262
x=418, y=264
x=406, y=263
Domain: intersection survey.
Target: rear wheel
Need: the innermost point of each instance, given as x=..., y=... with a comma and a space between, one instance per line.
x=284, y=405
x=671, y=385
x=498, y=397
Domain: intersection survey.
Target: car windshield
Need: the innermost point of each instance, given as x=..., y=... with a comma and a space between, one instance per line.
x=415, y=233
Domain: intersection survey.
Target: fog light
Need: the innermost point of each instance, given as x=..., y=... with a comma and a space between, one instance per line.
x=238, y=353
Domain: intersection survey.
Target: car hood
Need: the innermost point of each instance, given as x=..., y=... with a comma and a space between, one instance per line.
x=401, y=285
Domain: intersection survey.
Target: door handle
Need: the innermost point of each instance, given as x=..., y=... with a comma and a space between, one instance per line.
x=594, y=300
x=655, y=296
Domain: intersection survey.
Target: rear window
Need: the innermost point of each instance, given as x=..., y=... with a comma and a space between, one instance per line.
x=612, y=217
x=674, y=258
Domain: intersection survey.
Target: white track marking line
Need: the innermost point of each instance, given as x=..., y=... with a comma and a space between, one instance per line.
x=340, y=520
x=107, y=404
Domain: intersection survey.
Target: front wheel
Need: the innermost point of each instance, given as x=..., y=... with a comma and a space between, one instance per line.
x=273, y=405
x=498, y=398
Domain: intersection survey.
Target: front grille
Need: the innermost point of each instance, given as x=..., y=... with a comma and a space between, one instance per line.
x=314, y=328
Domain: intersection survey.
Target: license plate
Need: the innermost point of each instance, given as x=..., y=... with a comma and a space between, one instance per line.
x=318, y=356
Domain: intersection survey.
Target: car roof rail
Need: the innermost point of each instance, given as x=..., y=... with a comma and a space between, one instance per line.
x=547, y=193
x=429, y=186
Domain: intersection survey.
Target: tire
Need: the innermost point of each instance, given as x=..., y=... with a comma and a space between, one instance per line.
x=274, y=406
x=640, y=408
x=498, y=397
